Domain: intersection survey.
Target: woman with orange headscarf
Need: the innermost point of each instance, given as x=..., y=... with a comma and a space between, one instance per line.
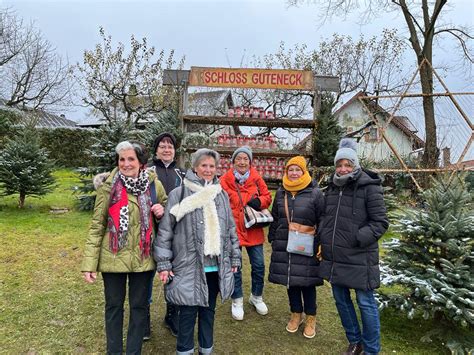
x=299, y=201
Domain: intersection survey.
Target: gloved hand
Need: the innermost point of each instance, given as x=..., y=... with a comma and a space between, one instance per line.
x=255, y=203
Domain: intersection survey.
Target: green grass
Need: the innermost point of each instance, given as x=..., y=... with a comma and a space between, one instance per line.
x=46, y=307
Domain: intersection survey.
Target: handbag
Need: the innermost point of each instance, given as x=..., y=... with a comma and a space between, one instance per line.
x=300, y=237
x=254, y=218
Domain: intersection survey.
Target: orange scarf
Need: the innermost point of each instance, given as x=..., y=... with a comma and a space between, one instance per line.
x=296, y=185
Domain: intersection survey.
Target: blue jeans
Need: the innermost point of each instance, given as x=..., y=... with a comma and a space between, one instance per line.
x=257, y=263
x=187, y=321
x=369, y=313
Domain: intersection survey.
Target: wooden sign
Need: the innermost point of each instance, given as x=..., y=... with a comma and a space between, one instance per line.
x=252, y=78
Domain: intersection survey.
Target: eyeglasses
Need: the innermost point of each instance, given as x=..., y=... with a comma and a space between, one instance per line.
x=163, y=147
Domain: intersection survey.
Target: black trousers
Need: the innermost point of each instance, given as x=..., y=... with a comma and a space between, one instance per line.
x=115, y=291
x=298, y=295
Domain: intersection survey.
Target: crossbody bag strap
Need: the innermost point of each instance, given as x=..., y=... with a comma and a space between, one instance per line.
x=286, y=208
x=240, y=196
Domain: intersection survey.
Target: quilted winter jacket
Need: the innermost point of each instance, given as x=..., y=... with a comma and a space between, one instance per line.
x=97, y=254
x=180, y=247
x=253, y=187
x=354, y=219
x=293, y=269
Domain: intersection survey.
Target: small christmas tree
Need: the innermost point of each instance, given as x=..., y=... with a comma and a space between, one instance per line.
x=434, y=260
x=327, y=135
x=25, y=168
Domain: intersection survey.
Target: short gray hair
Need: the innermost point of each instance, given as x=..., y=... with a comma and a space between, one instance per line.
x=125, y=145
x=203, y=153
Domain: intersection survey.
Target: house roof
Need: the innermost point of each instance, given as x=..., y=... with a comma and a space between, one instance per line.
x=401, y=122
x=209, y=103
x=45, y=119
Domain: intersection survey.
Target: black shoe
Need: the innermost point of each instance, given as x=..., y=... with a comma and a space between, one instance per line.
x=172, y=318
x=147, y=334
x=354, y=349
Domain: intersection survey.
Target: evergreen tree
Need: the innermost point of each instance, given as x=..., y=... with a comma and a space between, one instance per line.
x=434, y=261
x=327, y=134
x=25, y=168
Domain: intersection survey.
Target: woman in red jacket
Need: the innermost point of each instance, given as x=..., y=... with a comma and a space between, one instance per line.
x=246, y=187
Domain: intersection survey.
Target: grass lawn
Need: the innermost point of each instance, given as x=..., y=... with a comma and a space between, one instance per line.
x=46, y=307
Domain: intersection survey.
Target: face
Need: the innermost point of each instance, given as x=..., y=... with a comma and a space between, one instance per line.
x=128, y=163
x=165, y=152
x=294, y=172
x=206, y=168
x=242, y=163
x=343, y=167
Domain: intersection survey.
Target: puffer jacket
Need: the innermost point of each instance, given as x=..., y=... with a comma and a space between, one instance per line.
x=253, y=187
x=293, y=269
x=354, y=219
x=180, y=247
x=97, y=254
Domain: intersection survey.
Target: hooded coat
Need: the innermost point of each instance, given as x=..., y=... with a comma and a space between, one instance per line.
x=306, y=208
x=179, y=246
x=253, y=187
x=97, y=254
x=354, y=219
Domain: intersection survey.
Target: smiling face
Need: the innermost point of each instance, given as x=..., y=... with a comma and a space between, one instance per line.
x=165, y=150
x=344, y=167
x=206, y=168
x=128, y=163
x=242, y=163
x=294, y=172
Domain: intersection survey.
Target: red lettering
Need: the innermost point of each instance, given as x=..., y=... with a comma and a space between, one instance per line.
x=207, y=77
x=285, y=80
x=254, y=78
x=298, y=79
x=273, y=79
x=292, y=79
x=244, y=78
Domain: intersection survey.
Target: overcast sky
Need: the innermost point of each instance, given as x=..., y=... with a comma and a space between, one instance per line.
x=212, y=33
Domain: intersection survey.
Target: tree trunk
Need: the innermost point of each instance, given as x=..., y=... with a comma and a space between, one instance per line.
x=431, y=153
x=21, y=200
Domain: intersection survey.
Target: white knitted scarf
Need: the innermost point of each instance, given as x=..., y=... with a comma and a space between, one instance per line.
x=203, y=197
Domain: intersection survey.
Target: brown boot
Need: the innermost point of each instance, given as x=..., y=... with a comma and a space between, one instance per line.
x=310, y=327
x=295, y=321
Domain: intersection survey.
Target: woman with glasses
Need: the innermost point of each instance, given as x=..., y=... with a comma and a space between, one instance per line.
x=171, y=176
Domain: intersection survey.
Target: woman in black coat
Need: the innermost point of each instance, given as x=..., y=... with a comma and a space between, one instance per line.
x=354, y=220
x=297, y=272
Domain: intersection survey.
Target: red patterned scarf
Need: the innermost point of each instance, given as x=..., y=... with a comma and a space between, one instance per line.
x=118, y=217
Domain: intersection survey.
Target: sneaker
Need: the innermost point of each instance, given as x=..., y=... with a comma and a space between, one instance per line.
x=354, y=349
x=238, y=308
x=295, y=322
x=260, y=306
x=310, y=327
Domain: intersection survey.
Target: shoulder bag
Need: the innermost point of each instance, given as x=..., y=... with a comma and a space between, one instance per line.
x=300, y=237
x=254, y=218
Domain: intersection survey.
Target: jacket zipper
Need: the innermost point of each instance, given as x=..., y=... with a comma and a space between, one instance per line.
x=334, y=233
x=289, y=254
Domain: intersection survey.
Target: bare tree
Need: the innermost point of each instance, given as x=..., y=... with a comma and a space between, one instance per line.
x=424, y=24
x=125, y=86
x=33, y=74
x=368, y=64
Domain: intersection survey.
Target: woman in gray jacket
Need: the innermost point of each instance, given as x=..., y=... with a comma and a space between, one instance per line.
x=197, y=251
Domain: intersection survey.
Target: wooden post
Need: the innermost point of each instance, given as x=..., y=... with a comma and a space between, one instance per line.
x=316, y=111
